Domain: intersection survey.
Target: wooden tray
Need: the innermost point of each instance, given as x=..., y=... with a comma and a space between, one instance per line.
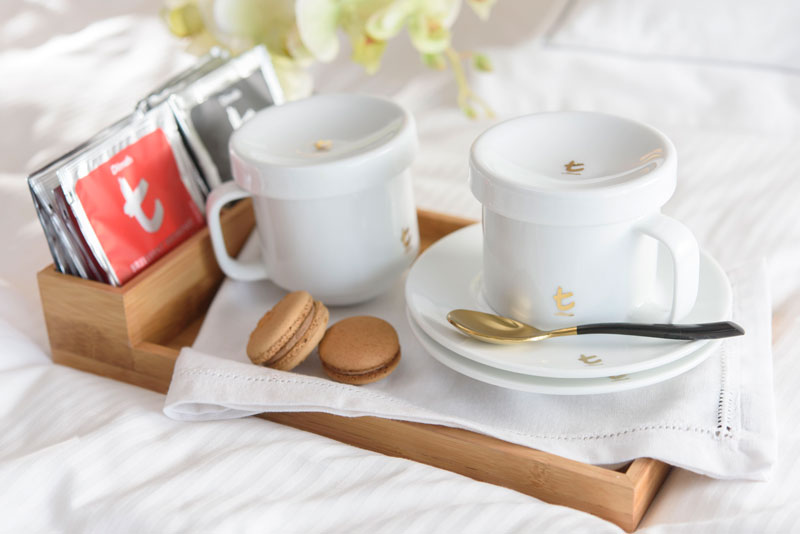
x=134, y=333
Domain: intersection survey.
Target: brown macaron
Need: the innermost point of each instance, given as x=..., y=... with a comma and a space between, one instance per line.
x=287, y=334
x=359, y=350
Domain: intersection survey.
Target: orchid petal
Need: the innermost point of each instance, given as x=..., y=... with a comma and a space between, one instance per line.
x=368, y=52
x=482, y=7
x=387, y=22
x=428, y=35
x=317, y=22
x=295, y=81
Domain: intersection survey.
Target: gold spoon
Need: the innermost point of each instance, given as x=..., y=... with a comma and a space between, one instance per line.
x=492, y=328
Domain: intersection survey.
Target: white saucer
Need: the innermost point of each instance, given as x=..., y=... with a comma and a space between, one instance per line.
x=560, y=386
x=447, y=276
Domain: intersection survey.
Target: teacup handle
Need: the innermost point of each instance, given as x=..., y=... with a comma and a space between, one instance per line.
x=236, y=269
x=682, y=245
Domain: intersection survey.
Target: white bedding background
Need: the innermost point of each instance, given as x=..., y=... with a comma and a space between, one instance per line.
x=79, y=453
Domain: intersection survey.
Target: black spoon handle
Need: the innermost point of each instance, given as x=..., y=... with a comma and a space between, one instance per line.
x=667, y=331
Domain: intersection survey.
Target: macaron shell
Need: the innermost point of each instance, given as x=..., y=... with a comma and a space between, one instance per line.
x=278, y=326
x=358, y=347
x=307, y=343
x=365, y=378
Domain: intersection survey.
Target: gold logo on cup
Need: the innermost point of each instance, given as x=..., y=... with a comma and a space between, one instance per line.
x=563, y=307
x=406, y=238
x=652, y=155
x=323, y=145
x=591, y=360
x=619, y=378
x=573, y=168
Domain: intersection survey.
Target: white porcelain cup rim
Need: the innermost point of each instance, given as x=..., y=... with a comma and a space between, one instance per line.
x=520, y=168
x=382, y=143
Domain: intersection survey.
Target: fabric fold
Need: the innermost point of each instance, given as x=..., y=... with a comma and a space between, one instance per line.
x=717, y=419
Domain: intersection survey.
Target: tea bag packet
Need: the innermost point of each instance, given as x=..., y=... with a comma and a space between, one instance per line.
x=215, y=58
x=213, y=106
x=134, y=194
x=67, y=223
x=70, y=252
x=209, y=101
x=44, y=203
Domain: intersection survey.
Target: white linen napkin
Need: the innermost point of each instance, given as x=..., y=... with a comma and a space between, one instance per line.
x=717, y=419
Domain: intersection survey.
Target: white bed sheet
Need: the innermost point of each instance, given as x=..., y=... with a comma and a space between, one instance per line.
x=79, y=453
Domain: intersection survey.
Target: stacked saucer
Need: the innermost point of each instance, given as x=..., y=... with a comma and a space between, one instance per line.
x=448, y=276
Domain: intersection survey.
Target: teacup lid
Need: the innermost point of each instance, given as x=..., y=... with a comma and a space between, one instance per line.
x=572, y=168
x=324, y=145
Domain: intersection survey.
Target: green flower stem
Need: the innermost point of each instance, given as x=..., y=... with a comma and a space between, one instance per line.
x=466, y=97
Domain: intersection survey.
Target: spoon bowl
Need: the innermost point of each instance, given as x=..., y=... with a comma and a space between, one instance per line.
x=500, y=330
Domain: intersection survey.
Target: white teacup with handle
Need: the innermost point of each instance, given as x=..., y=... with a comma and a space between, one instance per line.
x=332, y=196
x=572, y=221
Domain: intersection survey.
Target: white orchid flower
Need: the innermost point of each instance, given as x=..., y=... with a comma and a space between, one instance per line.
x=428, y=22
x=298, y=32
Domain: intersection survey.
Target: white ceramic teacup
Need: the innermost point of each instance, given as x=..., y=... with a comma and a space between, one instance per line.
x=332, y=196
x=572, y=222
